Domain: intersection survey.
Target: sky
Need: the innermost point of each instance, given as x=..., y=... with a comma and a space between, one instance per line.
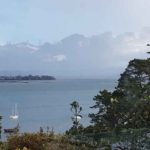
x=73, y=38
x=38, y=21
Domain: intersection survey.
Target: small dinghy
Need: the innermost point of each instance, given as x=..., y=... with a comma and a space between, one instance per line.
x=14, y=130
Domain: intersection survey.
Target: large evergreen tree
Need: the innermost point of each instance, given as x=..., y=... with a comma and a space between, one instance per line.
x=128, y=105
x=135, y=81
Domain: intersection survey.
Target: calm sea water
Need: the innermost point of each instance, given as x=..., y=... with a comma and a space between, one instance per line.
x=47, y=103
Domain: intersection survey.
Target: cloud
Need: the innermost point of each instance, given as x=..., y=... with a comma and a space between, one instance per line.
x=56, y=58
x=103, y=55
x=28, y=46
x=59, y=58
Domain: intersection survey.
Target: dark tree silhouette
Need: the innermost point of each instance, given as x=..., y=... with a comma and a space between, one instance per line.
x=76, y=110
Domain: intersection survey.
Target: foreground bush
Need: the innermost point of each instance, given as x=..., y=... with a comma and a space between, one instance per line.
x=38, y=141
x=34, y=141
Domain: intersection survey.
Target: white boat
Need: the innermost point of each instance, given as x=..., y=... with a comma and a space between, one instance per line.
x=14, y=115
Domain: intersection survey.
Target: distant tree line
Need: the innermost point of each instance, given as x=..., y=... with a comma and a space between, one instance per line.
x=28, y=77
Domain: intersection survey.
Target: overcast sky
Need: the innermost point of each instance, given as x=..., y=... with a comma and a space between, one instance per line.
x=89, y=38
x=51, y=20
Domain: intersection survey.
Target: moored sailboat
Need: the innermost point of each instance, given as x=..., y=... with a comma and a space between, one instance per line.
x=14, y=115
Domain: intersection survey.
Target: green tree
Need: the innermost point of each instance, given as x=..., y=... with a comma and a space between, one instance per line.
x=111, y=110
x=76, y=110
x=140, y=115
x=121, y=108
x=134, y=84
x=102, y=103
x=135, y=80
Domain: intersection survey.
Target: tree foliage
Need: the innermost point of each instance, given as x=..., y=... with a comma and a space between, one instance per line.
x=129, y=104
x=134, y=83
x=76, y=110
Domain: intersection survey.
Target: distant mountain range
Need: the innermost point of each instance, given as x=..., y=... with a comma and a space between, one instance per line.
x=75, y=56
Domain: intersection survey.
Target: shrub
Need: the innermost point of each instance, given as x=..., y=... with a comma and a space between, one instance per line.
x=33, y=141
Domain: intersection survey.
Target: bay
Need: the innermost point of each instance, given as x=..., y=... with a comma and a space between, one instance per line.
x=47, y=103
